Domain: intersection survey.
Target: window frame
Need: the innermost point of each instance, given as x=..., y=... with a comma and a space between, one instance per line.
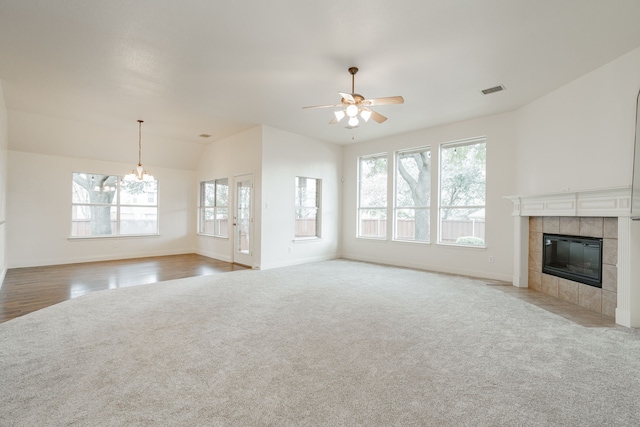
x=317, y=208
x=215, y=207
x=441, y=207
x=360, y=208
x=118, y=205
x=396, y=177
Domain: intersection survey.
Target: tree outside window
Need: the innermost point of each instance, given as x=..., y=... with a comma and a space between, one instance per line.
x=412, y=195
x=307, y=208
x=463, y=192
x=372, y=196
x=214, y=208
x=107, y=205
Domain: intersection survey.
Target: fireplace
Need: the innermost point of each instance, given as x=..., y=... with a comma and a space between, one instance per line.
x=573, y=257
x=602, y=213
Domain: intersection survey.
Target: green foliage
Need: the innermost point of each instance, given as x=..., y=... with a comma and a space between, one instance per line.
x=133, y=187
x=374, y=166
x=99, y=191
x=373, y=183
x=215, y=193
x=470, y=240
x=413, y=188
x=463, y=175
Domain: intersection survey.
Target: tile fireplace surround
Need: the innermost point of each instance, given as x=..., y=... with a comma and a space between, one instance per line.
x=595, y=213
x=601, y=300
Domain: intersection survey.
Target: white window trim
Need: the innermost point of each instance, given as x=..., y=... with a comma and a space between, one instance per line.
x=453, y=144
x=202, y=207
x=358, y=208
x=395, y=207
x=118, y=206
x=317, y=207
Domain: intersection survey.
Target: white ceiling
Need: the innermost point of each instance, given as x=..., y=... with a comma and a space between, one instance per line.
x=218, y=67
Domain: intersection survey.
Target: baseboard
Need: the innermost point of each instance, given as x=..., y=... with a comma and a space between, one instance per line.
x=221, y=257
x=62, y=261
x=290, y=263
x=623, y=317
x=435, y=268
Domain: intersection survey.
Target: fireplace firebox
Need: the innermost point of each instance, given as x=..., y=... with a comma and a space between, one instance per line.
x=573, y=257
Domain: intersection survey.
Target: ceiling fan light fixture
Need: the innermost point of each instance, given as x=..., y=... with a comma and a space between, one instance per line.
x=352, y=111
x=353, y=104
x=365, y=114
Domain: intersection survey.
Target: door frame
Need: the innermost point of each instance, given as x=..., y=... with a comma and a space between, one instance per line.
x=237, y=256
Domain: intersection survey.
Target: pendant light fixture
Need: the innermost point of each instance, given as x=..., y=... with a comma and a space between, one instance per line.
x=139, y=174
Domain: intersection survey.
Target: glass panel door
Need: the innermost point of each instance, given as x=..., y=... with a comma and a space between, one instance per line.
x=243, y=220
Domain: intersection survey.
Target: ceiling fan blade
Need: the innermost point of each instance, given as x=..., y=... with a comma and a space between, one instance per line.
x=347, y=97
x=377, y=116
x=334, y=121
x=384, y=101
x=325, y=106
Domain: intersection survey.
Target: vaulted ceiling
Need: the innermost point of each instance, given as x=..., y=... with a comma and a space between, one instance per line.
x=194, y=67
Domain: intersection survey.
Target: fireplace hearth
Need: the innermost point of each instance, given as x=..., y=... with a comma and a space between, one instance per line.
x=573, y=257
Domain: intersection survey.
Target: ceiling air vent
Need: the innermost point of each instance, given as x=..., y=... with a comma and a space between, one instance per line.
x=493, y=89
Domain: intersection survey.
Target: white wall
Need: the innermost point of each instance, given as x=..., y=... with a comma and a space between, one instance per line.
x=56, y=136
x=284, y=156
x=3, y=184
x=39, y=213
x=501, y=174
x=275, y=158
x=587, y=125
x=237, y=155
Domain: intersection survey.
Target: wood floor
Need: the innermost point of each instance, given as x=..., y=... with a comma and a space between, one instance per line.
x=29, y=289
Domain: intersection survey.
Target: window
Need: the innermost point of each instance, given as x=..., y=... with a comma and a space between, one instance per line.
x=214, y=208
x=307, y=208
x=107, y=205
x=462, y=192
x=372, y=196
x=413, y=186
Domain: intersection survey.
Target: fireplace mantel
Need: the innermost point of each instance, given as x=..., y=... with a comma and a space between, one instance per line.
x=611, y=202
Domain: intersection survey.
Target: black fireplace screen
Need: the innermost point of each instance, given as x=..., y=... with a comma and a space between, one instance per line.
x=574, y=258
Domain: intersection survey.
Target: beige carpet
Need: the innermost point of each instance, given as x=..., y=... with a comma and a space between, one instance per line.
x=335, y=343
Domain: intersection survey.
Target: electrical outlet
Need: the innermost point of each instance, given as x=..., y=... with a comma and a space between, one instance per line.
x=490, y=258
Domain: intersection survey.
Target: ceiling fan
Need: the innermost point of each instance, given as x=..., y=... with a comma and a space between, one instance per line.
x=354, y=104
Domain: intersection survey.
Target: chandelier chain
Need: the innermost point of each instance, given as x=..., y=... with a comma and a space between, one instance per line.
x=140, y=142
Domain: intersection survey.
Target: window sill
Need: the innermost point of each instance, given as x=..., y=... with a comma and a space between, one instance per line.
x=135, y=236
x=213, y=236
x=307, y=239
x=414, y=242
x=458, y=245
x=374, y=239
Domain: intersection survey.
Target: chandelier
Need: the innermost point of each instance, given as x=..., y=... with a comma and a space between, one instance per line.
x=139, y=174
